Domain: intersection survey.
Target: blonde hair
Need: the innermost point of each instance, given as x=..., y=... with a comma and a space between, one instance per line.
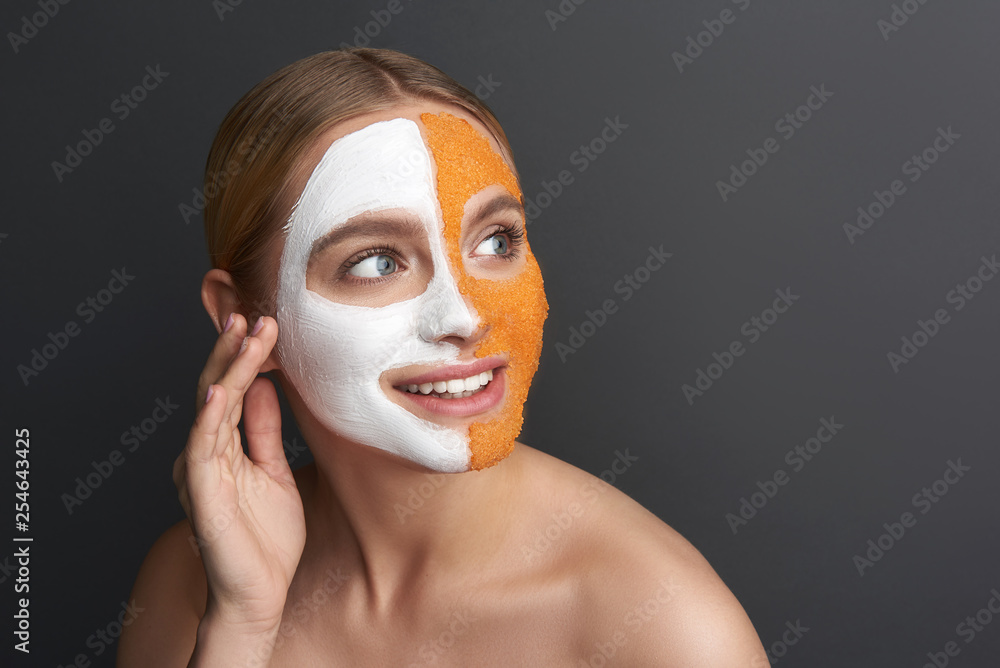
x=264, y=136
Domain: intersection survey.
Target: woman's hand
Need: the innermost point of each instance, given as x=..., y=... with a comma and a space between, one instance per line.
x=246, y=512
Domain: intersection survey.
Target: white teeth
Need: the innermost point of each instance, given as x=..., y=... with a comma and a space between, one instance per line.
x=457, y=395
x=452, y=389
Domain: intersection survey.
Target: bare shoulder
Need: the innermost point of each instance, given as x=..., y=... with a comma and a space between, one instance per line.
x=168, y=598
x=169, y=595
x=648, y=597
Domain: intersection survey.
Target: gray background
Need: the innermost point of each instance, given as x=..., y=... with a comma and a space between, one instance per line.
x=656, y=184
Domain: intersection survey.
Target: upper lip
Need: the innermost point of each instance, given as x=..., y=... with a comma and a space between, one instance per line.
x=455, y=371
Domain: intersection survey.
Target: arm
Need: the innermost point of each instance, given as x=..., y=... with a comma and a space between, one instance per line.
x=223, y=644
x=214, y=586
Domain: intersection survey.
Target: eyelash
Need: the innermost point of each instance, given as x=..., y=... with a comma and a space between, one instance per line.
x=516, y=237
x=514, y=234
x=364, y=255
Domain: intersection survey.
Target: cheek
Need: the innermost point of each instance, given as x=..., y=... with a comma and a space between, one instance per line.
x=516, y=311
x=343, y=344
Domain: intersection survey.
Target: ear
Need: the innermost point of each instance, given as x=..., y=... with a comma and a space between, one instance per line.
x=218, y=295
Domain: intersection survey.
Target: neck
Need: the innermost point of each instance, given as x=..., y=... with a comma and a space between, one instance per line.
x=397, y=523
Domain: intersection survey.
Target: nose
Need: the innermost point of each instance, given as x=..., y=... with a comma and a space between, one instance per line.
x=445, y=312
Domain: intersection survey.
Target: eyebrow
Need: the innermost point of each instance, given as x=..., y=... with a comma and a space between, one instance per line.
x=366, y=225
x=500, y=203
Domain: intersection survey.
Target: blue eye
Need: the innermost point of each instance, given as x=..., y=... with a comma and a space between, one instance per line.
x=495, y=245
x=373, y=267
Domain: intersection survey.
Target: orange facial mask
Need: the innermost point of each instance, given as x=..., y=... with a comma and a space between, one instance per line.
x=514, y=309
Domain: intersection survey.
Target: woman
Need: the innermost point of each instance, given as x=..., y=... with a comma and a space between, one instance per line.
x=364, y=219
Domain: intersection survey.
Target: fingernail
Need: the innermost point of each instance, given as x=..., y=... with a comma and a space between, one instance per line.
x=256, y=328
x=208, y=395
x=229, y=323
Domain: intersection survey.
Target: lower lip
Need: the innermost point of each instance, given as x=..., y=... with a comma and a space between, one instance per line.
x=480, y=402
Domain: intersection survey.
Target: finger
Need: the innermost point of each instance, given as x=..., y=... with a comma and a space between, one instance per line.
x=225, y=349
x=246, y=365
x=263, y=430
x=202, y=465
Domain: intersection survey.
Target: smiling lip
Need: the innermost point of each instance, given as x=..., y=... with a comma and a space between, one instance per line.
x=454, y=371
x=487, y=398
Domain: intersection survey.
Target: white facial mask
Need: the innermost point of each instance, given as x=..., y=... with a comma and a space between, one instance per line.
x=335, y=353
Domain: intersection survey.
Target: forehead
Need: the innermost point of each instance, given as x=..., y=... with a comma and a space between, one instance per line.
x=384, y=165
x=412, y=112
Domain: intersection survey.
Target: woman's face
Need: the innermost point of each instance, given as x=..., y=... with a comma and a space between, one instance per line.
x=409, y=305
